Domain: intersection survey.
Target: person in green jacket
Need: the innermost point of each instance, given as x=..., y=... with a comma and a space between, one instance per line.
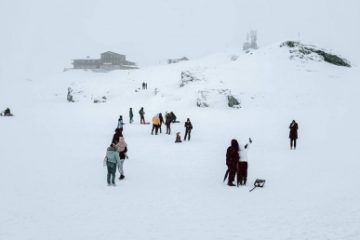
x=112, y=159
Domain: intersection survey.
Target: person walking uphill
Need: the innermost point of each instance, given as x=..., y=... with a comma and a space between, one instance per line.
x=111, y=160
x=293, y=135
x=188, y=128
x=142, y=115
x=232, y=159
x=122, y=149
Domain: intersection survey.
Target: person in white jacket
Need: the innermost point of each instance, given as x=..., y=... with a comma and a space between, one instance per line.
x=243, y=164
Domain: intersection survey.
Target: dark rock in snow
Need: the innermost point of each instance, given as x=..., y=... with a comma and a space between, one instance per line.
x=301, y=50
x=233, y=102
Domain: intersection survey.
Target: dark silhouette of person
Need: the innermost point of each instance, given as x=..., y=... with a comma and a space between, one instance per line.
x=168, y=121
x=232, y=159
x=131, y=115
x=293, y=135
x=142, y=115
x=188, y=128
x=161, y=121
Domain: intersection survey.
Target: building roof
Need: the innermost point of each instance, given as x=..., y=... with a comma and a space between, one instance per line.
x=113, y=53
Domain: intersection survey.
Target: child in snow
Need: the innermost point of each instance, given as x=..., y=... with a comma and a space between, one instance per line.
x=178, y=138
x=243, y=164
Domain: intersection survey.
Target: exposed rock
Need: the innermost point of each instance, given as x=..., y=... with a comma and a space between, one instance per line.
x=187, y=77
x=233, y=102
x=201, y=100
x=306, y=52
x=101, y=100
x=70, y=97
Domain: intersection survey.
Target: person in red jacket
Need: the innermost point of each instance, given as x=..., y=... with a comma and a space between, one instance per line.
x=232, y=159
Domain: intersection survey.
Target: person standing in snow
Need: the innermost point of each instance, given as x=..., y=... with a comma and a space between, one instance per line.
x=293, y=135
x=142, y=115
x=120, y=124
x=243, y=164
x=161, y=121
x=232, y=158
x=156, y=124
x=111, y=160
x=188, y=128
x=122, y=149
x=131, y=115
x=168, y=121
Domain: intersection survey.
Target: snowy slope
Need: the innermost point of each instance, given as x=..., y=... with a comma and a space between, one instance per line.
x=53, y=183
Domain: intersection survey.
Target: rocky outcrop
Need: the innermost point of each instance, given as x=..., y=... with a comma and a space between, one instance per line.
x=233, y=102
x=187, y=77
x=302, y=51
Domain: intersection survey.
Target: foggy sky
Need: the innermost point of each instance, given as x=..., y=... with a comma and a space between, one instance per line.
x=45, y=35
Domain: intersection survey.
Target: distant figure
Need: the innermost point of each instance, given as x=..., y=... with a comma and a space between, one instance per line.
x=232, y=158
x=120, y=123
x=142, y=115
x=243, y=164
x=131, y=115
x=161, y=121
x=111, y=160
x=168, y=121
x=156, y=124
x=7, y=113
x=178, y=138
x=146, y=85
x=188, y=128
x=70, y=97
x=293, y=135
x=143, y=85
x=122, y=149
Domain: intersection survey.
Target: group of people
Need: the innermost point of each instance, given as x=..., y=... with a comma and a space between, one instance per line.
x=236, y=154
x=116, y=154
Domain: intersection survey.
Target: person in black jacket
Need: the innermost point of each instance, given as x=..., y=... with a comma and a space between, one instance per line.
x=232, y=159
x=293, y=135
x=161, y=121
x=168, y=121
x=188, y=128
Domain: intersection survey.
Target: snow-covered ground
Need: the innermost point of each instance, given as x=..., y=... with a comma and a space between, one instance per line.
x=53, y=183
